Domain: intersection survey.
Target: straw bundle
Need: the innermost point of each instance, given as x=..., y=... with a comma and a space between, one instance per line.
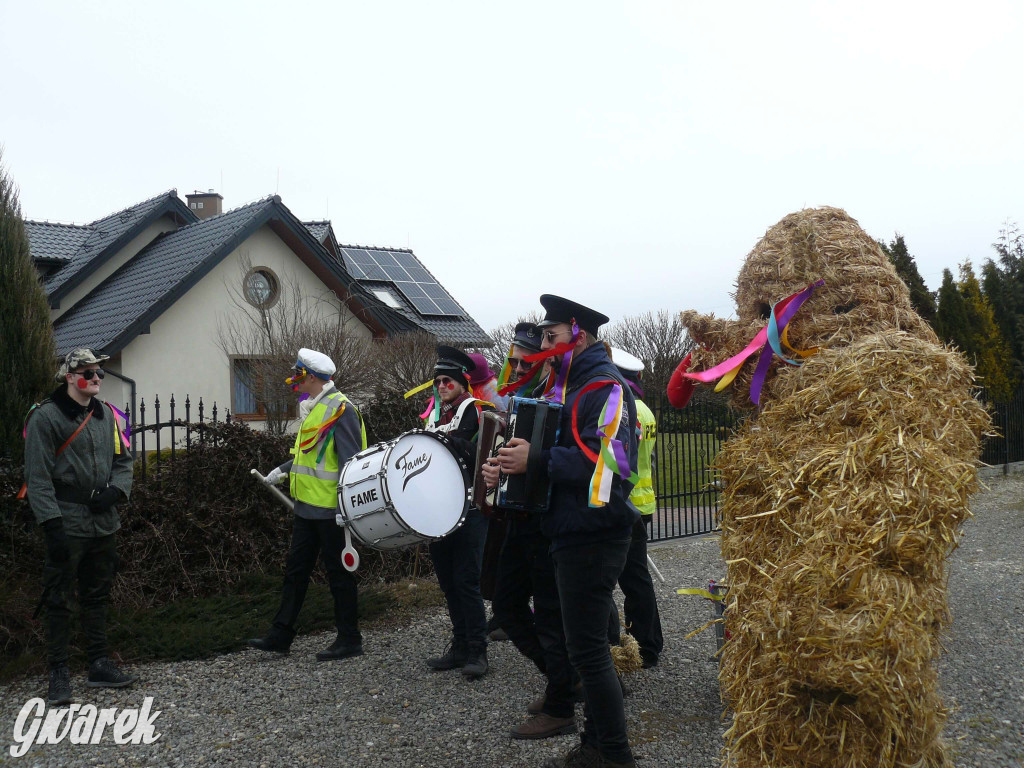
x=842, y=501
x=626, y=655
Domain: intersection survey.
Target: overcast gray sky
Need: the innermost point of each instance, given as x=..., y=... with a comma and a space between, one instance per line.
x=625, y=154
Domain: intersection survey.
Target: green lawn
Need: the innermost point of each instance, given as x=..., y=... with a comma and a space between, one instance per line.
x=682, y=466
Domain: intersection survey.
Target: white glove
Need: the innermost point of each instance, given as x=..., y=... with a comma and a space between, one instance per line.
x=276, y=476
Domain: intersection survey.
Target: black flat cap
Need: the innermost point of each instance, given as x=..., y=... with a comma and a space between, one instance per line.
x=527, y=337
x=559, y=310
x=453, y=362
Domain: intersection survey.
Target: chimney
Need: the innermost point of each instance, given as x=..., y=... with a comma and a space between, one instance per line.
x=205, y=204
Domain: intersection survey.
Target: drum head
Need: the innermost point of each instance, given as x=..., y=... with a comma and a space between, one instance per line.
x=426, y=484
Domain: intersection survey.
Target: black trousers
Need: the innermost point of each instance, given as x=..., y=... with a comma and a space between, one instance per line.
x=457, y=559
x=586, y=575
x=92, y=565
x=640, y=604
x=310, y=538
x=525, y=569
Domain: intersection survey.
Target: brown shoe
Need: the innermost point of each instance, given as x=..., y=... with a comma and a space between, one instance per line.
x=543, y=726
x=536, y=706
x=580, y=756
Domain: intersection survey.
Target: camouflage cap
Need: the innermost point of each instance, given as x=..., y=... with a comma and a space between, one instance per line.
x=77, y=358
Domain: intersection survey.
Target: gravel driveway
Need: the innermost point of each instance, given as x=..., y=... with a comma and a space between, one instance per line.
x=387, y=709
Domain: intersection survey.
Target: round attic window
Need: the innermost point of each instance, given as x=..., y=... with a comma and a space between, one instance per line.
x=262, y=288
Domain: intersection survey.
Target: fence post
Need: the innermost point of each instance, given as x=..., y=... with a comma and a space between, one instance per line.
x=172, y=428
x=142, y=433
x=156, y=423
x=1006, y=439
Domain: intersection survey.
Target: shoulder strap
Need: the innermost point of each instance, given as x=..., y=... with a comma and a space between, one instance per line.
x=23, y=491
x=74, y=434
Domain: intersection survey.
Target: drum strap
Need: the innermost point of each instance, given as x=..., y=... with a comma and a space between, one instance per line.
x=452, y=425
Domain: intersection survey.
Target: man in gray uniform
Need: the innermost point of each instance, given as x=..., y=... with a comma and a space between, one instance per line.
x=78, y=469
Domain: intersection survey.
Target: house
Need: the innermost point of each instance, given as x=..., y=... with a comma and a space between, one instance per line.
x=154, y=286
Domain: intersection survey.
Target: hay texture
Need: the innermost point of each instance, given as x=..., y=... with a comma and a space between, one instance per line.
x=843, y=498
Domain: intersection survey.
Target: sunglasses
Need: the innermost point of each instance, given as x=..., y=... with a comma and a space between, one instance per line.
x=444, y=381
x=550, y=336
x=99, y=373
x=517, y=362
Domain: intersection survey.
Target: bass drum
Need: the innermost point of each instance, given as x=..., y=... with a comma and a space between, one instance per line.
x=402, y=492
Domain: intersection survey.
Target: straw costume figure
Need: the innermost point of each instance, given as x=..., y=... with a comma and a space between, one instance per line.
x=843, y=497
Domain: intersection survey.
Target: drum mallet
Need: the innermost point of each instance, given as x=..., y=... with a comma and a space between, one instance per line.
x=274, y=490
x=653, y=567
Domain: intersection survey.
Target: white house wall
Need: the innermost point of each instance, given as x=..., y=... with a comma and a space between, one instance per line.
x=136, y=244
x=182, y=354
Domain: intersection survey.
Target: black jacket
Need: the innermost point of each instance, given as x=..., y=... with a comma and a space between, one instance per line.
x=570, y=519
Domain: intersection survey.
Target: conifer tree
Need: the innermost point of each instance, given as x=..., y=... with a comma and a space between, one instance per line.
x=26, y=335
x=985, y=347
x=950, y=314
x=921, y=298
x=1002, y=295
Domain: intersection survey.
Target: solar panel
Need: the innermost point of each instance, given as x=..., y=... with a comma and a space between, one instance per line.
x=402, y=268
x=426, y=306
x=407, y=260
x=396, y=273
x=348, y=255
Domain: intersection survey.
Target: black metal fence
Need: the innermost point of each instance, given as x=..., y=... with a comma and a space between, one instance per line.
x=686, y=487
x=180, y=430
x=1007, y=446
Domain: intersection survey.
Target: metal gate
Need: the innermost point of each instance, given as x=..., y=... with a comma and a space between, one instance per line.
x=686, y=487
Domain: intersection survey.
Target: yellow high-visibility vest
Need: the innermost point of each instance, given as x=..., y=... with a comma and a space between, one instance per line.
x=643, y=497
x=316, y=481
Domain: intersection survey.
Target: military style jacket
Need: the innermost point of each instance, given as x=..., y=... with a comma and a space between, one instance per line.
x=97, y=457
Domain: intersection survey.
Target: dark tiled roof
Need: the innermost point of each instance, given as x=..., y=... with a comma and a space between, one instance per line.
x=86, y=248
x=55, y=242
x=137, y=293
x=141, y=290
x=318, y=229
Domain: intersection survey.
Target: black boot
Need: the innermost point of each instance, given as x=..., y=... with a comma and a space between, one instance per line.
x=340, y=649
x=454, y=657
x=103, y=673
x=60, y=685
x=273, y=643
x=476, y=663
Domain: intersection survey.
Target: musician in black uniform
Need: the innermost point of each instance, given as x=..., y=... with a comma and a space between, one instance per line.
x=458, y=556
x=589, y=521
x=525, y=569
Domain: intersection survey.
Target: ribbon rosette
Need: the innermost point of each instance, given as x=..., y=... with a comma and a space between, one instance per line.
x=769, y=340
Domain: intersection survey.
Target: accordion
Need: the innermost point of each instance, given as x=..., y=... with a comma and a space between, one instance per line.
x=536, y=421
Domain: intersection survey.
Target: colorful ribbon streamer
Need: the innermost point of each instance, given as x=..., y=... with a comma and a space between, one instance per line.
x=769, y=341
x=611, y=457
x=121, y=435
x=701, y=593
x=318, y=432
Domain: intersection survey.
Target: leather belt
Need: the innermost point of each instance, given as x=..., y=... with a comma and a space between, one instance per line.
x=69, y=494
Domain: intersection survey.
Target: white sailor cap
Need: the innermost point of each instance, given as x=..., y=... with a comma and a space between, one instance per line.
x=316, y=362
x=626, y=362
